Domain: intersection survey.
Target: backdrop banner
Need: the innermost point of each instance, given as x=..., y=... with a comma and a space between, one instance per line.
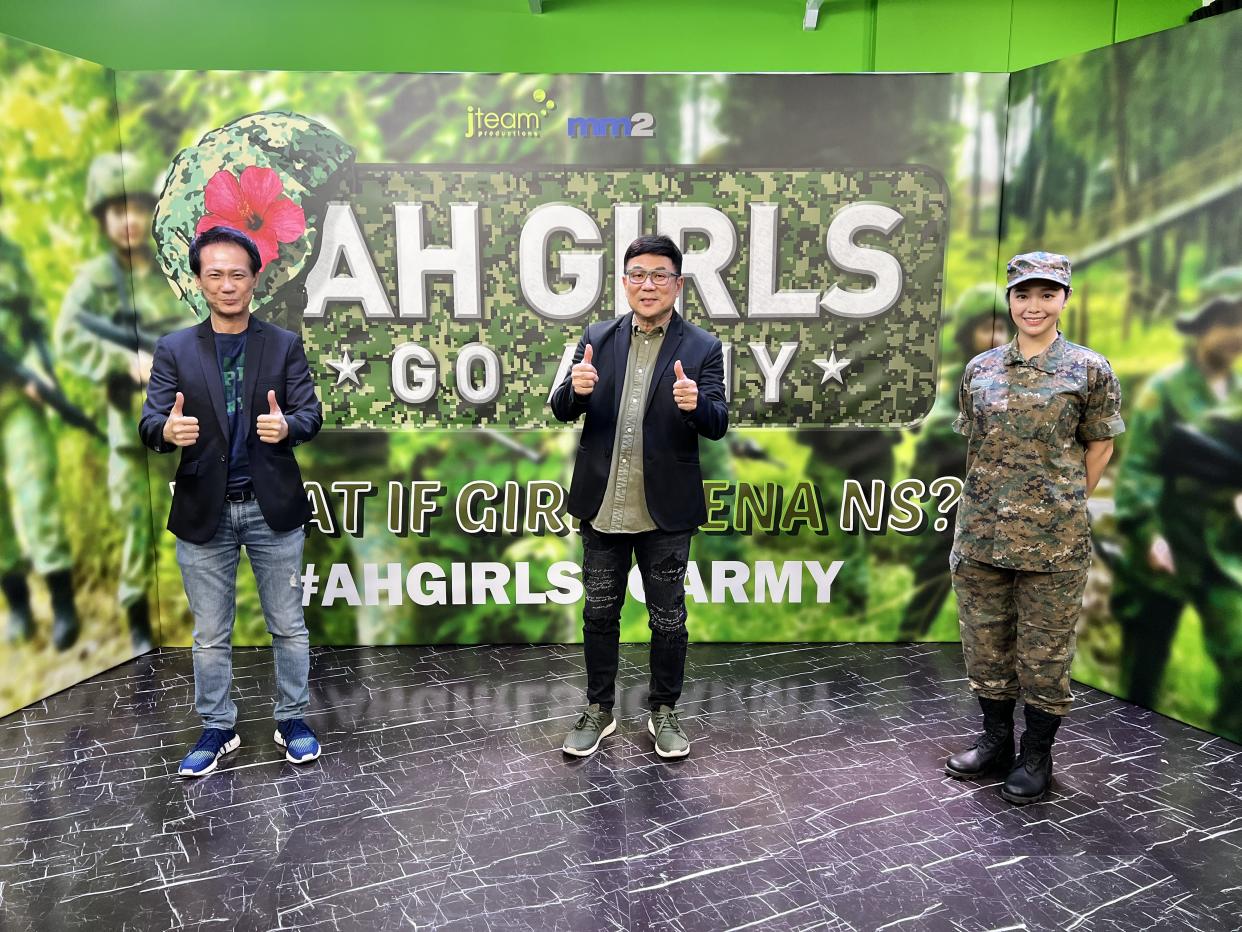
x=442, y=241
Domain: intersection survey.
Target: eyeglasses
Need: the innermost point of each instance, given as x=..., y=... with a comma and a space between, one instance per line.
x=659, y=277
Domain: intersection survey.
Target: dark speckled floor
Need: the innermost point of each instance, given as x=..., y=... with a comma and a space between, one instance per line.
x=813, y=799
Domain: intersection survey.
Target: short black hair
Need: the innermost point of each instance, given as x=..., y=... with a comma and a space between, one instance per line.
x=223, y=235
x=654, y=246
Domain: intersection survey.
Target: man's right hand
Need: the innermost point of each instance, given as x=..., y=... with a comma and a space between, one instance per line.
x=583, y=375
x=180, y=430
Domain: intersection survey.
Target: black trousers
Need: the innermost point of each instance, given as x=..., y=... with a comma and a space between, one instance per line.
x=662, y=558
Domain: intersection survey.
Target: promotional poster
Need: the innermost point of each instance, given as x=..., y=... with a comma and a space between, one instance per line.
x=441, y=242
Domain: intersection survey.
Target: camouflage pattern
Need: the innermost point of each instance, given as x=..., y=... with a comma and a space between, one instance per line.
x=1220, y=300
x=1018, y=631
x=1024, y=505
x=890, y=382
x=1203, y=532
x=137, y=483
x=311, y=161
x=106, y=180
x=941, y=451
x=1045, y=266
x=31, y=526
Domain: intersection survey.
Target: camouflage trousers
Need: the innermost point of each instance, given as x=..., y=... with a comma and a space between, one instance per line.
x=1019, y=631
x=30, y=520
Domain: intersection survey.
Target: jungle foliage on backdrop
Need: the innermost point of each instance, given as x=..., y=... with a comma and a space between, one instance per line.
x=1118, y=157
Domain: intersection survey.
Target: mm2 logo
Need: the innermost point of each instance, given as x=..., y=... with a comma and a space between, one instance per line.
x=638, y=124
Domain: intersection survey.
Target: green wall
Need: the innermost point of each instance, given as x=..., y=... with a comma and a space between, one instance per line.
x=583, y=35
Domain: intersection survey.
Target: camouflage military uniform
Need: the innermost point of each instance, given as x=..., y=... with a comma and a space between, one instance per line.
x=1157, y=498
x=1022, y=544
x=30, y=520
x=104, y=289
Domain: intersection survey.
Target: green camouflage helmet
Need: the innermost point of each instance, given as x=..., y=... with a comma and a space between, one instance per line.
x=977, y=304
x=1220, y=301
x=105, y=181
x=312, y=163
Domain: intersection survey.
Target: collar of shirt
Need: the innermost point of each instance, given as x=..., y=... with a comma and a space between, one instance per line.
x=653, y=332
x=1047, y=361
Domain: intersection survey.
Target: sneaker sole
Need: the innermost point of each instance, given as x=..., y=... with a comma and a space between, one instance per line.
x=279, y=739
x=664, y=754
x=608, y=729
x=229, y=747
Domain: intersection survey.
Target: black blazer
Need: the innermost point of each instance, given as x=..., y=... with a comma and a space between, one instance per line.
x=671, y=477
x=185, y=361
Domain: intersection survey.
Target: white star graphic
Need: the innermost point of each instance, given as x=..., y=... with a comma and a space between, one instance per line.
x=346, y=368
x=832, y=367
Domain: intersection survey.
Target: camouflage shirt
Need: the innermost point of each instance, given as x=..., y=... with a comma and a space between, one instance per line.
x=1028, y=421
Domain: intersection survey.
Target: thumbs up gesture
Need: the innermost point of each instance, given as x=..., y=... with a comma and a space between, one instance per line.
x=180, y=430
x=583, y=375
x=273, y=427
x=685, y=391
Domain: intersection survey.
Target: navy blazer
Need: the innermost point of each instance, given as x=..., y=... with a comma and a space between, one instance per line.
x=671, y=476
x=185, y=361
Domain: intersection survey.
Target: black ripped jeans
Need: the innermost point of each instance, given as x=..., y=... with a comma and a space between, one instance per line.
x=662, y=557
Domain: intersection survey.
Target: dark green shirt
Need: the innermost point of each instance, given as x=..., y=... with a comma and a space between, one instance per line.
x=624, y=509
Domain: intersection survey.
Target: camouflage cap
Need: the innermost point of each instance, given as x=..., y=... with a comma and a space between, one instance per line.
x=1220, y=302
x=1221, y=283
x=1047, y=266
x=310, y=163
x=105, y=181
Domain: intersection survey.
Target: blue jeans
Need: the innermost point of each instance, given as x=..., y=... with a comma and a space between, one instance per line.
x=209, y=572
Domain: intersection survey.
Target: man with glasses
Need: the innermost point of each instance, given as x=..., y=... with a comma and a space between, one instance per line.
x=650, y=385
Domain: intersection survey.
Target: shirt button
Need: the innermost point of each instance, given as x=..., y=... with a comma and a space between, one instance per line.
x=629, y=430
x=223, y=458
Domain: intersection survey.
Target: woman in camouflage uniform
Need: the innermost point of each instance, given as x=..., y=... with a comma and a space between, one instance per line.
x=1039, y=415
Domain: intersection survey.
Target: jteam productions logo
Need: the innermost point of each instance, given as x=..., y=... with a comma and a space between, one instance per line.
x=480, y=122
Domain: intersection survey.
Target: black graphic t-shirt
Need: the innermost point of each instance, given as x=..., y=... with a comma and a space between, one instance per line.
x=231, y=355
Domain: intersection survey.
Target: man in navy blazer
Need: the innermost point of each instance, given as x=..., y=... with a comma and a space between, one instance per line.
x=651, y=385
x=238, y=485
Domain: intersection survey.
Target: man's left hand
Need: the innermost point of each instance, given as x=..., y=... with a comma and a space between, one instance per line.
x=273, y=427
x=685, y=391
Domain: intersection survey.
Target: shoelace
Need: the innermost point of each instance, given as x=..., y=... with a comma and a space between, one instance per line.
x=668, y=722
x=589, y=717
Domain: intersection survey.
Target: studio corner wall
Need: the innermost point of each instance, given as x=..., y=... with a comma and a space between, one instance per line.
x=1105, y=155
x=1125, y=158
x=60, y=539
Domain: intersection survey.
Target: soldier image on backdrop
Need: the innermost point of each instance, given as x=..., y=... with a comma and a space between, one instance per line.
x=1183, y=536
x=980, y=323
x=1039, y=415
x=118, y=306
x=32, y=529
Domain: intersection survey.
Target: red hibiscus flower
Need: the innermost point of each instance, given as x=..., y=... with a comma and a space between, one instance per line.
x=255, y=206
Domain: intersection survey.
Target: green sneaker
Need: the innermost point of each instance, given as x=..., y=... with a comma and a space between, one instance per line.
x=592, y=727
x=670, y=740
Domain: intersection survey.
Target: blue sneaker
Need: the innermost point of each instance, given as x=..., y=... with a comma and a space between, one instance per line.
x=300, y=744
x=214, y=744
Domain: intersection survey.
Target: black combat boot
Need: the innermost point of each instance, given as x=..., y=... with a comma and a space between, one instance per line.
x=139, y=614
x=1032, y=772
x=21, y=622
x=64, y=615
x=992, y=750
